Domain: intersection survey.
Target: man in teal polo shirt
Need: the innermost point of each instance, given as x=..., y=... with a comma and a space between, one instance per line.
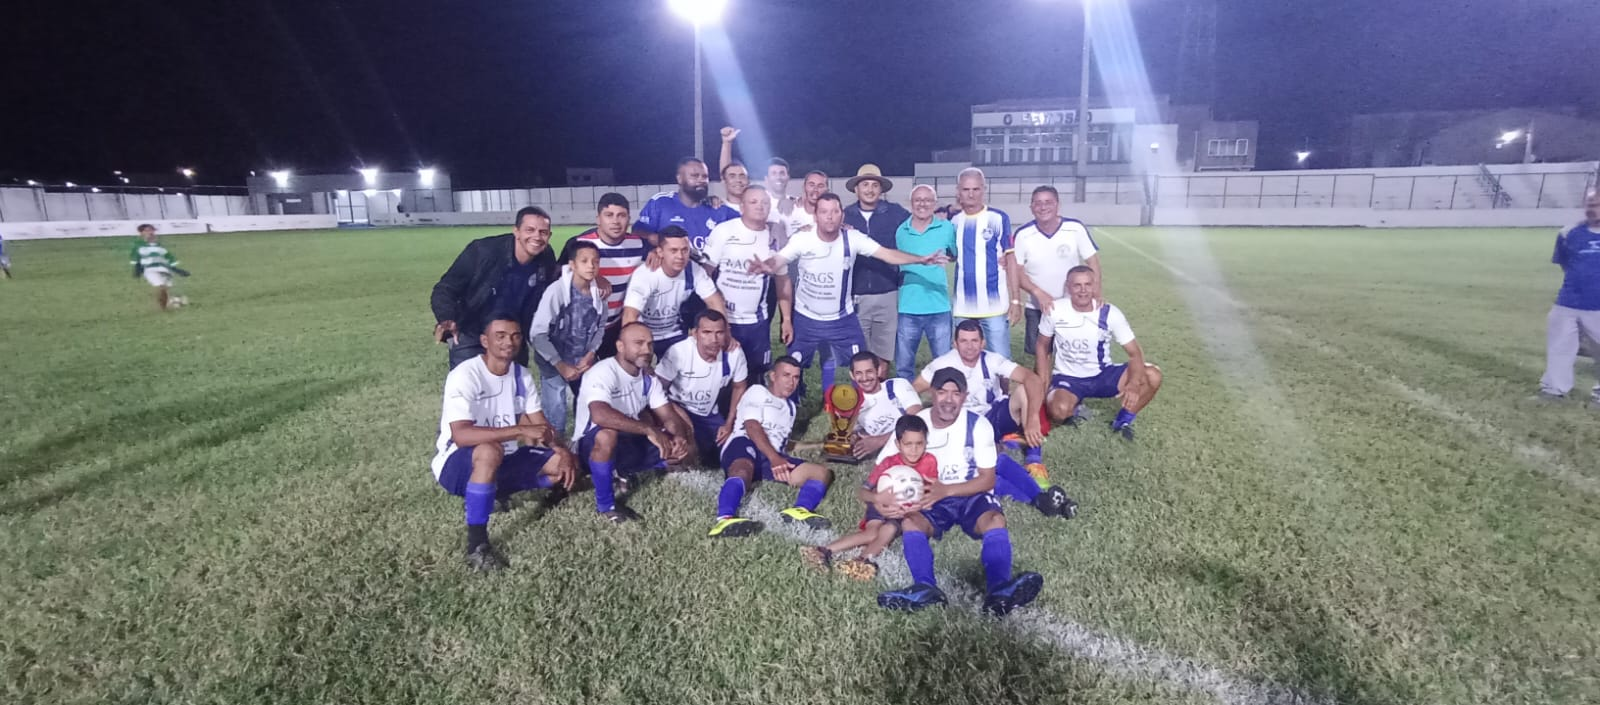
x=924, y=288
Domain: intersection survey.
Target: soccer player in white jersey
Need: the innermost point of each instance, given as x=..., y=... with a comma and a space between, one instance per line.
x=695, y=372
x=1017, y=418
x=985, y=279
x=817, y=308
x=729, y=249
x=152, y=260
x=883, y=402
x=490, y=407
x=1046, y=248
x=761, y=429
x=963, y=443
x=656, y=296
x=624, y=424
x=1077, y=333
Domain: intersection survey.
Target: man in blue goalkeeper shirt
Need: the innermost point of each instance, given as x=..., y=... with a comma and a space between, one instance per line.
x=686, y=207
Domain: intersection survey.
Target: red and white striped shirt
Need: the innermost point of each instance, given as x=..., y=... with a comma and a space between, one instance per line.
x=617, y=263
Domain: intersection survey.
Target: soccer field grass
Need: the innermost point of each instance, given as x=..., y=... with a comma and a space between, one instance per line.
x=1339, y=494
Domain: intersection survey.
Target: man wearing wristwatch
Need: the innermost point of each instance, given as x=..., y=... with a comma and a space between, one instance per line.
x=624, y=426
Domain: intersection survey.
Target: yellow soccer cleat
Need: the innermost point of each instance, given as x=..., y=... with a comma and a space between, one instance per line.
x=728, y=527
x=1039, y=474
x=805, y=516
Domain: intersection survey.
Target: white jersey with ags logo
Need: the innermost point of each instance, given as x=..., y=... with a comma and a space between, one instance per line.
x=473, y=393
x=983, y=378
x=881, y=409
x=960, y=448
x=628, y=394
x=696, y=381
x=659, y=297
x=1083, y=338
x=730, y=247
x=822, y=292
x=776, y=416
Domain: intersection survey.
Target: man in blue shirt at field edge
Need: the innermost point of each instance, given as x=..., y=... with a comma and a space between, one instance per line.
x=1576, y=313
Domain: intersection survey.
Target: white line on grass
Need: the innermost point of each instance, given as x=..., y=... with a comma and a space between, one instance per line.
x=1541, y=459
x=1117, y=655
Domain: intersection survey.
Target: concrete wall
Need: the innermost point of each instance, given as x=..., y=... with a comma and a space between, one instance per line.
x=30, y=205
x=1368, y=217
x=128, y=228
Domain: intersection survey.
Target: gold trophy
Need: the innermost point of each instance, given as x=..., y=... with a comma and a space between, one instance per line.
x=841, y=402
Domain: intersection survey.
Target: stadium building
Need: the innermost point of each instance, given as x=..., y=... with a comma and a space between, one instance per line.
x=1034, y=138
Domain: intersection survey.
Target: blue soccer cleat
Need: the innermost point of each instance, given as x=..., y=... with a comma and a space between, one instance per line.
x=911, y=599
x=1015, y=593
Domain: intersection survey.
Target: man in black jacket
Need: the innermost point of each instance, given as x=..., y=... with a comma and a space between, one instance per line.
x=876, y=284
x=503, y=275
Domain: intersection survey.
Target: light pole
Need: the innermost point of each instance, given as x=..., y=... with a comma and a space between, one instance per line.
x=698, y=13
x=1526, y=135
x=1080, y=136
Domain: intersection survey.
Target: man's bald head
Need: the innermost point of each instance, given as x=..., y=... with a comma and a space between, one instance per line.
x=633, y=346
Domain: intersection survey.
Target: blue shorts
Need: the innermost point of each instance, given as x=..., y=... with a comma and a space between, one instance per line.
x=743, y=447
x=705, y=434
x=843, y=338
x=1100, y=386
x=634, y=453
x=518, y=471
x=1000, y=418
x=962, y=512
x=755, y=339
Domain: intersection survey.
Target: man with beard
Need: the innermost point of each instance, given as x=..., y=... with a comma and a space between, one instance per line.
x=494, y=276
x=877, y=285
x=621, y=253
x=625, y=425
x=685, y=208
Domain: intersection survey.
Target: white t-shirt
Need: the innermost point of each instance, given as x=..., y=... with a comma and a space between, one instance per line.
x=1082, y=343
x=695, y=383
x=731, y=246
x=658, y=298
x=473, y=393
x=628, y=394
x=775, y=415
x=984, y=379
x=798, y=221
x=1046, y=258
x=881, y=409
x=960, y=448
x=822, y=291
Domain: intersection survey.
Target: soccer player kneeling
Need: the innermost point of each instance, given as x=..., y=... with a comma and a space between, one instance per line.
x=963, y=444
x=762, y=424
x=1078, y=331
x=883, y=510
x=489, y=408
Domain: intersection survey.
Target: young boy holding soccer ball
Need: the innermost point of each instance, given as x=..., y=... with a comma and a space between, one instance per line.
x=883, y=509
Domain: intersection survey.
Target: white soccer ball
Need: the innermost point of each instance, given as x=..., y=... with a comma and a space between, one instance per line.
x=904, y=482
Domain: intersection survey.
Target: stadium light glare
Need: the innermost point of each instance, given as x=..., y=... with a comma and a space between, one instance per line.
x=95, y=189
x=699, y=12
x=425, y=176
x=371, y=192
x=1510, y=136
x=71, y=185
x=31, y=182
x=124, y=179
x=369, y=175
x=1155, y=146
x=116, y=172
x=281, y=177
x=187, y=172
x=1301, y=156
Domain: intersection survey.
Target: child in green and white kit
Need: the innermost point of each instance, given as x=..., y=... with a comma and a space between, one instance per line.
x=157, y=265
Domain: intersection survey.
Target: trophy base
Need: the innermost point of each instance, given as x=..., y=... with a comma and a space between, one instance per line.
x=839, y=453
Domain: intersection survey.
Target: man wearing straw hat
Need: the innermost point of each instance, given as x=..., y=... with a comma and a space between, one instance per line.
x=877, y=284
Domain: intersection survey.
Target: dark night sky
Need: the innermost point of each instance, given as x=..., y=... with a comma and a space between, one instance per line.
x=501, y=92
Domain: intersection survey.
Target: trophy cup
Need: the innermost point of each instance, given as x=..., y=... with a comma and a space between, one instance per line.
x=841, y=402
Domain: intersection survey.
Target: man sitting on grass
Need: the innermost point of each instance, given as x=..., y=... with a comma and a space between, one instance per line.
x=624, y=425
x=695, y=372
x=761, y=428
x=490, y=407
x=883, y=514
x=884, y=401
x=962, y=442
x=1078, y=332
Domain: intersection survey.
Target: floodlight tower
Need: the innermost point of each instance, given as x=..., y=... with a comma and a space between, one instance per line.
x=698, y=13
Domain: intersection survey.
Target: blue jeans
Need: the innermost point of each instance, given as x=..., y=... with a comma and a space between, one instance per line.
x=912, y=328
x=555, y=397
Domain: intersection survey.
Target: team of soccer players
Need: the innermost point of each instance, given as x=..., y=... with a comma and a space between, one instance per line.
x=663, y=333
